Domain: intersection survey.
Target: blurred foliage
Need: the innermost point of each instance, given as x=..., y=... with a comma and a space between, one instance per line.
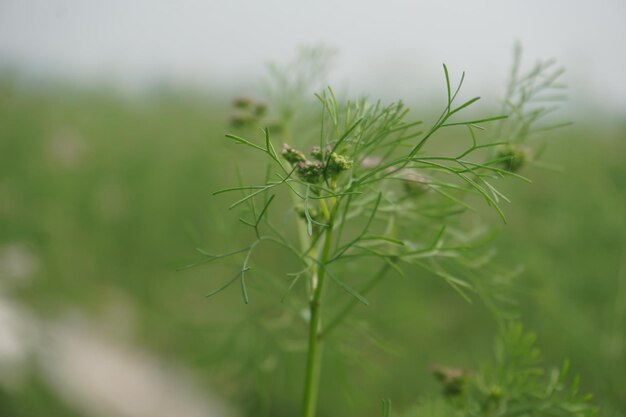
x=110, y=194
x=513, y=384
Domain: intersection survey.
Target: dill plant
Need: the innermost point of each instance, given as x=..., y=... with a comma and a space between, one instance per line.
x=367, y=186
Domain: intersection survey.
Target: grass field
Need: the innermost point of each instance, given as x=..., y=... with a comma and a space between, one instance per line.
x=101, y=198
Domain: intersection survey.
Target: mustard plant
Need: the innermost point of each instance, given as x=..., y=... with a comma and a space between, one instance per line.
x=370, y=185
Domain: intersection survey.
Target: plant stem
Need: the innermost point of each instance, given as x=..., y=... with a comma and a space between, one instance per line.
x=314, y=354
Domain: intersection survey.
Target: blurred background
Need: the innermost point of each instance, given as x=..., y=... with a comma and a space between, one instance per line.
x=112, y=117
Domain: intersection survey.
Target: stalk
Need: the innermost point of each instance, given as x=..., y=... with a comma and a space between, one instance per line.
x=314, y=352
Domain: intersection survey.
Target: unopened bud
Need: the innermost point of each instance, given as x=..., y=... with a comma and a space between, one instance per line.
x=316, y=153
x=314, y=214
x=513, y=157
x=292, y=155
x=310, y=171
x=338, y=163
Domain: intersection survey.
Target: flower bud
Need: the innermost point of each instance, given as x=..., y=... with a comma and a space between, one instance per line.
x=314, y=214
x=513, y=157
x=292, y=155
x=310, y=171
x=316, y=153
x=338, y=163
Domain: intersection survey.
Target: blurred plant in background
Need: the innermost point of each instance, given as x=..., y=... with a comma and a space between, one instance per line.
x=513, y=384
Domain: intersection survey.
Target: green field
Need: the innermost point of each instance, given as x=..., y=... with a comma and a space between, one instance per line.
x=106, y=196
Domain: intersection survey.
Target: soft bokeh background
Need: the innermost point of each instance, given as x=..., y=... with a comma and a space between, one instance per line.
x=112, y=116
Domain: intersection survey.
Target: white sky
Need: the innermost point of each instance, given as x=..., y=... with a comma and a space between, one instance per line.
x=395, y=46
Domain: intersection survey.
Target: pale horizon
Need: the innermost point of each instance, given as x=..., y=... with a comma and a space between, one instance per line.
x=390, y=50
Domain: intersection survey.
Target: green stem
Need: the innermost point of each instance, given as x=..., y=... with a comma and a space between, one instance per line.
x=314, y=358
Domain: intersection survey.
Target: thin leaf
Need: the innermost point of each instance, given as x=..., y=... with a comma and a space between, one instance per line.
x=347, y=288
x=228, y=284
x=243, y=141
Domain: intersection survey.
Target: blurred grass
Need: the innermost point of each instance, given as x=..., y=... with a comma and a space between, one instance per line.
x=110, y=194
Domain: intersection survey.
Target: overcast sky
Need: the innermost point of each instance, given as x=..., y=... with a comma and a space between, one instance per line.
x=393, y=45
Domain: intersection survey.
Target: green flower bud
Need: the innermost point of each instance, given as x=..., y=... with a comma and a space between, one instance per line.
x=338, y=163
x=292, y=155
x=313, y=213
x=514, y=157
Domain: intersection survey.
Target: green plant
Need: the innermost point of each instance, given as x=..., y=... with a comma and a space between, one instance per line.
x=513, y=384
x=369, y=186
